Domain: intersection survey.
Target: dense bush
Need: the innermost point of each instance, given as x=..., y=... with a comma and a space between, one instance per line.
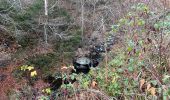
x=71, y=44
x=26, y=41
x=21, y=19
x=59, y=12
x=132, y=73
x=136, y=68
x=43, y=61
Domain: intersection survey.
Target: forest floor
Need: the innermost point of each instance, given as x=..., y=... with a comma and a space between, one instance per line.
x=8, y=82
x=11, y=58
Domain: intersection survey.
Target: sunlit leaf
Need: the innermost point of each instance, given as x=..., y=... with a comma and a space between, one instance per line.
x=142, y=82
x=141, y=22
x=33, y=73
x=120, y=70
x=30, y=68
x=94, y=83
x=152, y=90
x=154, y=82
x=24, y=67
x=148, y=86
x=85, y=84
x=64, y=68
x=141, y=42
x=130, y=49
x=130, y=68
x=73, y=76
x=131, y=43
x=113, y=79
x=165, y=78
x=47, y=90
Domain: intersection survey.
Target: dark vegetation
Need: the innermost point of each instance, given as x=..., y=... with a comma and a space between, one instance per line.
x=128, y=59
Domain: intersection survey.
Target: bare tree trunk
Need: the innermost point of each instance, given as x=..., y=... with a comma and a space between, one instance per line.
x=82, y=20
x=20, y=4
x=94, y=10
x=105, y=47
x=45, y=25
x=46, y=7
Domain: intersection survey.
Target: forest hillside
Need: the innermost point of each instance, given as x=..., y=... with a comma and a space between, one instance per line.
x=84, y=49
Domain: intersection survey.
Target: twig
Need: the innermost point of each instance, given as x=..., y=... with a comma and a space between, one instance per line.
x=7, y=9
x=153, y=73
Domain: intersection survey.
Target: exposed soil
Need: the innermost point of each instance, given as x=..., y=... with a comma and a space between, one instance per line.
x=8, y=82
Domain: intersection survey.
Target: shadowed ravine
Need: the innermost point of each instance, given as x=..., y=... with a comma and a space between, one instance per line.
x=84, y=63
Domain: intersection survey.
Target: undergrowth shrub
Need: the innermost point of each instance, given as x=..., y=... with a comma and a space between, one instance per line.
x=26, y=72
x=133, y=73
x=42, y=61
x=59, y=12
x=27, y=41
x=22, y=19
x=71, y=44
x=26, y=92
x=138, y=71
